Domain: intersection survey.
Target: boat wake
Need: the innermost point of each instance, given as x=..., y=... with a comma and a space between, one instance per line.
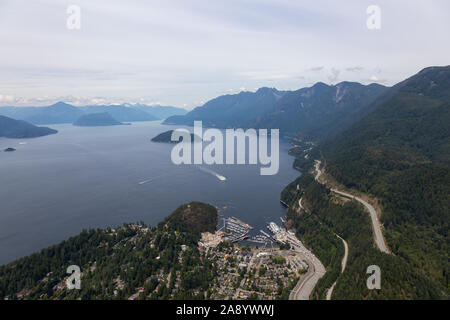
x=151, y=179
x=218, y=176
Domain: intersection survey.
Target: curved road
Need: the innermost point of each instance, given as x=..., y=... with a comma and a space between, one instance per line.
x=300, y=204
x=343, y=265
x=305, y=286
x=295, y=293
x=344, y=259
x=376, y=226
x=316, y=270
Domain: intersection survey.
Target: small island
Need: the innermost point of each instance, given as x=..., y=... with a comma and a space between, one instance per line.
x=166, y=137
x=96, y=120
x=9, y=150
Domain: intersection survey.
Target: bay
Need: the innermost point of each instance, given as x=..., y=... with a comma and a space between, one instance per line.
x=53, y=187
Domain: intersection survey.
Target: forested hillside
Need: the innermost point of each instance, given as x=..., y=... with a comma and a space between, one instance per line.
x=327, y=215
x=11, y=128
x=133, y=261
x=400, y=154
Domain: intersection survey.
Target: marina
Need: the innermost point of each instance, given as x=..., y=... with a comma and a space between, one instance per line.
x=239, y=231
x=235, y=230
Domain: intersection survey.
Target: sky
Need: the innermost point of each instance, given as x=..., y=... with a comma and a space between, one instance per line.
x=185, y=52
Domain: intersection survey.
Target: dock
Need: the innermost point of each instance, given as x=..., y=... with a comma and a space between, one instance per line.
x=236, y=229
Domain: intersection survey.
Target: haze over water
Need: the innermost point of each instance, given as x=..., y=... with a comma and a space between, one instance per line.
x=93, y=177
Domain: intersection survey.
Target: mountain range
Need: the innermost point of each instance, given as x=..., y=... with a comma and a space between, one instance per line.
x=237, y=110
x=318, y=111
x=65, y=113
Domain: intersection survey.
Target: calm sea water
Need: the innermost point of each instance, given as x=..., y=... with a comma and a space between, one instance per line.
x=53, y=187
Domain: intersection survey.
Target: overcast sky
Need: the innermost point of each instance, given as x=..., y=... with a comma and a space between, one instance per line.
x=186, y=52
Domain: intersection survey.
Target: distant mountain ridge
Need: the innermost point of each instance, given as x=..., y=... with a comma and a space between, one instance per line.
x=319, y=111
x=159, y=111
x=232, y=110
x=11, y=128
x=65, y=113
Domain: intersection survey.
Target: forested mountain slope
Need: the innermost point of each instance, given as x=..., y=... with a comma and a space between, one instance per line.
x=232, y=110
x=400, y=154
x=134, y=260
x=11, y=128
x=321, y=110
x=317, y=112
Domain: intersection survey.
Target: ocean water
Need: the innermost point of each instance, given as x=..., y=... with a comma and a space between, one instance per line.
x=53, y=187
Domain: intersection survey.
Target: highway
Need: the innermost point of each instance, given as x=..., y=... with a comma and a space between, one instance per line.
x=376, y=225
x=316, y=270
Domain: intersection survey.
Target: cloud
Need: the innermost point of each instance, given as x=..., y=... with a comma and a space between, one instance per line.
x=334, y=76
x=354, y=69
x=6, y=98
x=316, y=69
x=267, y=75
x=183, y=51
x=376, y=79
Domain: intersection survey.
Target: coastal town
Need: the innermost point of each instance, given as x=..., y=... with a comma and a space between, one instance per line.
x=287, y=271
x=254, y=273
x=221, y=266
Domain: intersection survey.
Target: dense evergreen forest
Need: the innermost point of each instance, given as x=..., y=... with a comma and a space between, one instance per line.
x=400, y=154
x=118, y=263
x=327, y=215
